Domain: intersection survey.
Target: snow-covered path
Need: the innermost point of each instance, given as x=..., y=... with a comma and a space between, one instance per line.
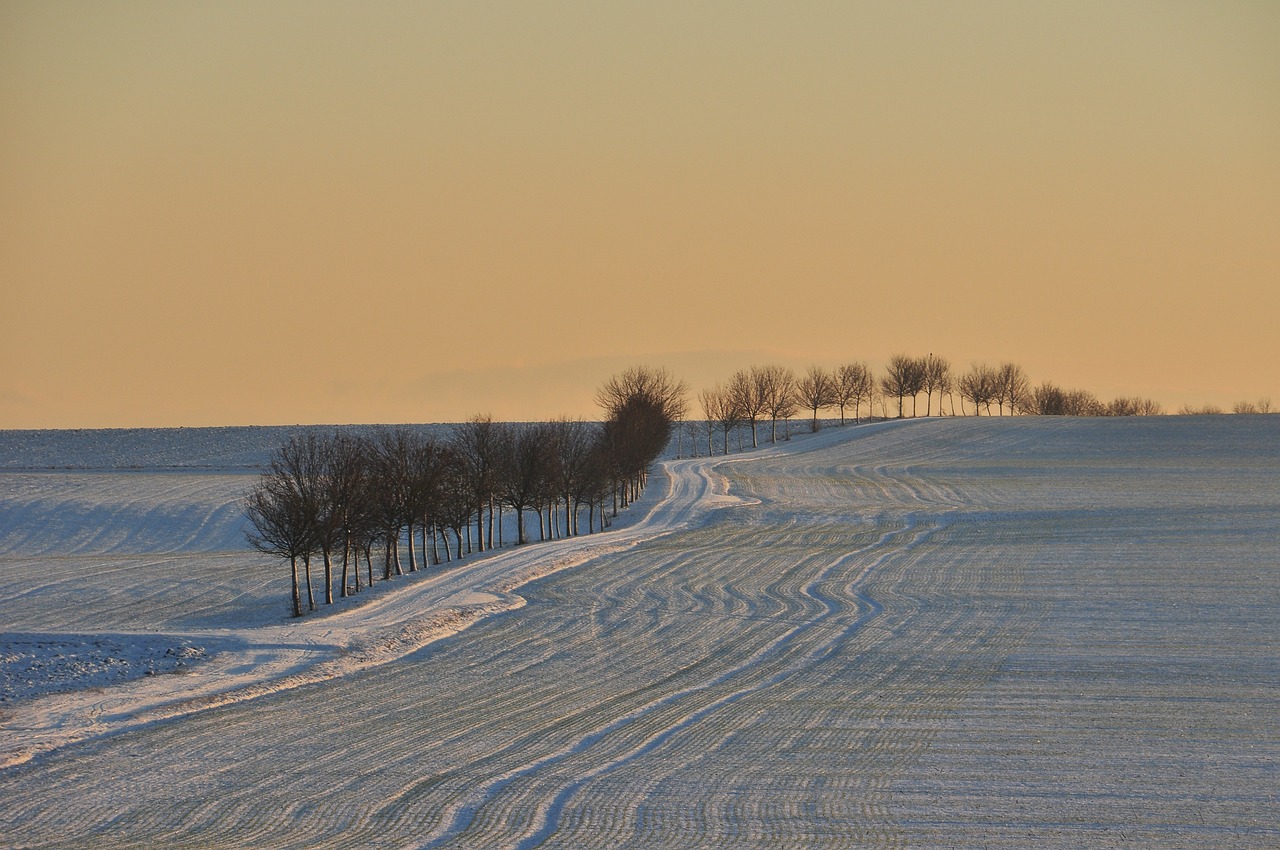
x=970, y=633
x=248, y=662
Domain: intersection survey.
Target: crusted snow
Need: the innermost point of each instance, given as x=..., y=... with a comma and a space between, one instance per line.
x=948, y=633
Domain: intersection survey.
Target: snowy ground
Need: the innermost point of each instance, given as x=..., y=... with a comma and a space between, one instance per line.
x=948, y=633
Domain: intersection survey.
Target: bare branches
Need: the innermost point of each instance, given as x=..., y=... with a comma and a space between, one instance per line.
x=654, y=386
x=854, y=384
x=747, y=390
x=816, y=390
x=979, y=387
x=776, y=386
x=903, y=376
x=1262, y=405
x=719, y=408
x=936, y=379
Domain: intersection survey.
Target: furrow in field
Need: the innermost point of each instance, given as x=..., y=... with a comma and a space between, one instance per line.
x=653, y=724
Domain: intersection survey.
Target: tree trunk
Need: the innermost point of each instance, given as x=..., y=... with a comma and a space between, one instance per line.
x=297, y=591
x=413, y=556
x=311, y=596
x=346, y=559
x=328, y=576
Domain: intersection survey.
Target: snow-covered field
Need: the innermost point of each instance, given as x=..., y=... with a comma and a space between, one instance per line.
x=942, y=633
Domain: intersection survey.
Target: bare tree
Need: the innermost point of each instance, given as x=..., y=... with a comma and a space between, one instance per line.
x=816, y=390
x=978, y=386
x=653, y=386
x=936, y=379
x=776, y=386
x=348, y=483
x=903, y=377
x=475, y=443
x=521, y=471
x=457, y=498
x=1011, y=387
x=281, y=520
x=749, y=399
x=392, y=495
x=1133, y=406
x=1047, y=400
x=854, y=384
x=1261, y=406
x=719, y=407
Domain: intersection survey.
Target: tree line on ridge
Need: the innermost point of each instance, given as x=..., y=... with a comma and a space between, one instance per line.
x=775, y=394
x=341, y=498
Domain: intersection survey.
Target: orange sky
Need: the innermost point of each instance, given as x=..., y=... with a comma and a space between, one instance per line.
x=224, y=213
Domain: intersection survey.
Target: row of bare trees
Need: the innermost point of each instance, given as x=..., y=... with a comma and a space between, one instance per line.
x=1262, y=405
x=774, y=394
x=414, y=500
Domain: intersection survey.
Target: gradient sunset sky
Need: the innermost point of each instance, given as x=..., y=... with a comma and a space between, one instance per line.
x=312, y=212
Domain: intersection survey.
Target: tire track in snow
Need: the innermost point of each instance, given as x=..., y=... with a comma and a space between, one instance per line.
x=890, y=544
x=378, y=632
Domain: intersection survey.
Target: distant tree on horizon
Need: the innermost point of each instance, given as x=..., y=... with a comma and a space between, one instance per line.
x=1262, y=405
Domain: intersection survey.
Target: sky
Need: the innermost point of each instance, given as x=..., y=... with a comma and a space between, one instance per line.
x=318, y=212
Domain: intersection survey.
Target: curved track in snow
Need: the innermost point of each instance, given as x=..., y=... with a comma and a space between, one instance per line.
x=250, y=662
